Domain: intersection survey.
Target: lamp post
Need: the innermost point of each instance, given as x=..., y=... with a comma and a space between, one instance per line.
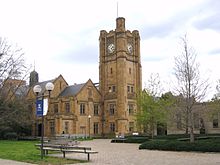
x=37, y=89
x=89, y=117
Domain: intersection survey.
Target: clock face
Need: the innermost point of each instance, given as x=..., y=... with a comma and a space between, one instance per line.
x=111, y=48
x=130, y=48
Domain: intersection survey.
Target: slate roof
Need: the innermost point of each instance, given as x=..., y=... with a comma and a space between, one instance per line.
x=71, y=90
x=22, y=90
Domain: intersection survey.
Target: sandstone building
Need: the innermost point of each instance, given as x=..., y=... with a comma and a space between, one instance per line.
x=106, y=108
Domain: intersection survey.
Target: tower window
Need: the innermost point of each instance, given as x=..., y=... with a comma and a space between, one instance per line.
x=131, y=109
x=128, y=88
x=132, y=89
x=113, y=88
x=111, y=71
x=111, y=109
x=129, y=70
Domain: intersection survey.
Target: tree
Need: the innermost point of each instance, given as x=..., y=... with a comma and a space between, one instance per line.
x=152, y=109
x=190, y=86
x=13, y=72
x=214, y=106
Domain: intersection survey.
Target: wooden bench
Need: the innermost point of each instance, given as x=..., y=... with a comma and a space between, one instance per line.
x=65, y=149
x=85, y=150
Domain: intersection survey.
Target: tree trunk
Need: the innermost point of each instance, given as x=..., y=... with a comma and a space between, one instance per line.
x=187, y=122
x=192, y=137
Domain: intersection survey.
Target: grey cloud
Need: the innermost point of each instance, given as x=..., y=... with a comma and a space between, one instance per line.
x=166, y=27
x=210, y=22
x=177, y=21
x=211, y=8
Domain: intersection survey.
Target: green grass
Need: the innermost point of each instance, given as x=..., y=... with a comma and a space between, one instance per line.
x=25, y=151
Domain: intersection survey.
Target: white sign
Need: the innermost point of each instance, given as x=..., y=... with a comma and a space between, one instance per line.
x=45, y=106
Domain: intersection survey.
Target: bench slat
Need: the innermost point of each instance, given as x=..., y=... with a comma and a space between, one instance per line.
x=81, y=151
x=64, y=149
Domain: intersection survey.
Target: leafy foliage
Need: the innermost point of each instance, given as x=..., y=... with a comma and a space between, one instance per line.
x=15, y=118
x=152, y=110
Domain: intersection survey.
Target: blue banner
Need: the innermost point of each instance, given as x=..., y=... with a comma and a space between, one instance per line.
x=40, y=107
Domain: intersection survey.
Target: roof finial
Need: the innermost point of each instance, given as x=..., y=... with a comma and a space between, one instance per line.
x=34, y=65
x=117, y=9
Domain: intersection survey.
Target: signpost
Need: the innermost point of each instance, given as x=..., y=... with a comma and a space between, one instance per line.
x=40, y=107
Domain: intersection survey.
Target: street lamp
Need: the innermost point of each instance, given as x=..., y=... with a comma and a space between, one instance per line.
x=37, y=89
x=89, y=117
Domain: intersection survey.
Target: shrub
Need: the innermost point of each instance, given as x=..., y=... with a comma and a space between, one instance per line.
x=172, y=136
x=11, y=135
x=136, y=139
x=130, y=139
x=212, y=145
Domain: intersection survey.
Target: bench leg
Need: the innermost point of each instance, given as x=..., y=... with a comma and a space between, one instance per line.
x=88, y=156
x=64, y=154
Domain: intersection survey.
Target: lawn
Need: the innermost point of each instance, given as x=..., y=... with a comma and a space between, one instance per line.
x=25, y=151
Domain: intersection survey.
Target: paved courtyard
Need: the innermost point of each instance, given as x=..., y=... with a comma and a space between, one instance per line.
x=129, y=154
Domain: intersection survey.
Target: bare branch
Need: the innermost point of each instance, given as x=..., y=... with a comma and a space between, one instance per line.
x=190, y=86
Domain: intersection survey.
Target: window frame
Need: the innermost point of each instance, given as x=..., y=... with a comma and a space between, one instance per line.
x=82, y=109
x=96, y=109
x=112, y=127
x=112, y=109
x=67, y=107
x=96, y=128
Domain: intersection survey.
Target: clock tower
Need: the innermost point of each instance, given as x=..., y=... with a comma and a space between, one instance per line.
x=119, y=78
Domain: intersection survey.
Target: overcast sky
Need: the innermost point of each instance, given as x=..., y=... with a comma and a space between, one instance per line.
x=61, y=36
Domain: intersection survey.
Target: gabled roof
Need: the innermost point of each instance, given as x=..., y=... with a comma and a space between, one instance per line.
x=71, y=90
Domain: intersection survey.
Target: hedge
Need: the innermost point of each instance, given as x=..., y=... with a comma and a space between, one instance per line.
x=131, y=139
x=211, y=145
